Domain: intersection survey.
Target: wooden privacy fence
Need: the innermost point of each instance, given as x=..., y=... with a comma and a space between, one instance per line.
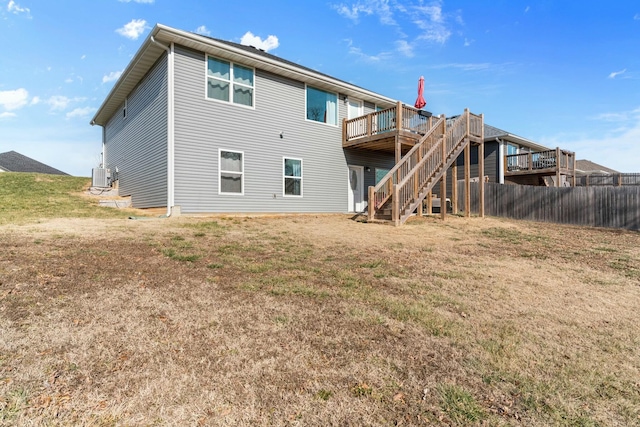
x=614, y=207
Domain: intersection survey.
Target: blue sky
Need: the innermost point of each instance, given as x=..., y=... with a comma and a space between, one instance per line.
x=561, y=73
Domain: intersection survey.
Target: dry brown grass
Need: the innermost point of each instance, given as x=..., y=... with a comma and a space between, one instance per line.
x=309, y=320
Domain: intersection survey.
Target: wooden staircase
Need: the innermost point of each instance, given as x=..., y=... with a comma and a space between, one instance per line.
x=398, y=195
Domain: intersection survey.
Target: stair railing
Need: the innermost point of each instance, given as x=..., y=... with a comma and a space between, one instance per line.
x=379, y=194
x=407, y=191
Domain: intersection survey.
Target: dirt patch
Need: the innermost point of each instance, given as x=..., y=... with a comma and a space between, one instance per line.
x=318, y=320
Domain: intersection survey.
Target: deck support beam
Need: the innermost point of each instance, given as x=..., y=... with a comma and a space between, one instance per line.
x=481, y=167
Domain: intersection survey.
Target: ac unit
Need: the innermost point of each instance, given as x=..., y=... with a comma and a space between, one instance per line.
x=100, y=177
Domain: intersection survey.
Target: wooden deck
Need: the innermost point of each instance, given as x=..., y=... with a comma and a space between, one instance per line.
x=556, y=162
x=394, y=130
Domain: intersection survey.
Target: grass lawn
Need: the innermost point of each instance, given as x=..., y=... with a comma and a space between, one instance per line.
x=310, y=320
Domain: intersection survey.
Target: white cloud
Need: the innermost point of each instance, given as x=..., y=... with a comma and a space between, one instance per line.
x=405, y=48
x=83, y=56
x=527, y=9
x=617, y=73
x=80, y=112
x=136, y=1
x=468, y=42
x=636, y=17
x=430, y=20
x=114, y=75
x=353, y=12
x=271, y=42
x=13, y=7
x=133, y=29
x=69, y=80
x=58, y=102
x=14, y=99
x=7, y=115
x=35, y=100
x=202, y=30
x=465, y=66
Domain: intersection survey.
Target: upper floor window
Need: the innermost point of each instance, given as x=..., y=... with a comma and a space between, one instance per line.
x=229, y=82
x=322, y=106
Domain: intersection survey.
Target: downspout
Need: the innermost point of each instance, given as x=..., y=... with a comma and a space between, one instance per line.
x=170, y=124
x=500, y=160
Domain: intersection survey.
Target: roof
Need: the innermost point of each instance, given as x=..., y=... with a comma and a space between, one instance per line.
x=492, y=133
x=12, y=161
x=588, y=167
x=160, y=36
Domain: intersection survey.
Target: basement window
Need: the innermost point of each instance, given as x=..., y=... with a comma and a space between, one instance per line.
x=292, y=177
x=231, y=169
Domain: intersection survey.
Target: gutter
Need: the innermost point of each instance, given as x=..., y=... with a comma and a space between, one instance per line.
x=170, y=124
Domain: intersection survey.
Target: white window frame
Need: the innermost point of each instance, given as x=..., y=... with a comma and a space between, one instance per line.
x=220, y=171
x=284, y=177
x=230, y=81
x=306, y=87
x=124, y=108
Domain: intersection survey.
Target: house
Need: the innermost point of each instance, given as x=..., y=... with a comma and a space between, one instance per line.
x=202, y=125
x=12, y=161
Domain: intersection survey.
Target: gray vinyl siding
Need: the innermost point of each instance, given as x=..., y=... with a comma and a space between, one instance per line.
x=203, y=126
x=137, y=145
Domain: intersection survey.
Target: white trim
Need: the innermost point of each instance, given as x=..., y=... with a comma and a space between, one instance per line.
x=230, y=81
x=500, y=161
x=301, y=177
x=350, y=200
x=241, y=193
x=306, y=86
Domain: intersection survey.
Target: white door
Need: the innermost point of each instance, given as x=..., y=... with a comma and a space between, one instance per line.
x=355, y=108
x=356, y=189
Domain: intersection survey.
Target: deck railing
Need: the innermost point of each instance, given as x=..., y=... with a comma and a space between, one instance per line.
x=557, y=159
x=615, y=179
x=384, y=121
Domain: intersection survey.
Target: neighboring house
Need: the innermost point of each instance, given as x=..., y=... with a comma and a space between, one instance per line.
x=12, y=161
x=587, y=167
x=512, y=159
x=206, y=125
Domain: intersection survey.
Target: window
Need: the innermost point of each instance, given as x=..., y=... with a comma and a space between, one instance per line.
x=322, y=106
x=231, y=172
x=292, y=177
x=124, y=109
x=229, y=82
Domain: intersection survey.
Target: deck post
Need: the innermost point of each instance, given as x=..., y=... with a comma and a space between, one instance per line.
x=369, y=130
x=530, y=160
x=481, y=166
x=416, y=186
x=399, y=127
x=467, y=181
x=395, y=206
x=443, y=181
x=371, y=203
x=430, y=203
x=558, y=162
x=454, y=184
x=344, y=131
x=573, y=165
x=443, y=196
